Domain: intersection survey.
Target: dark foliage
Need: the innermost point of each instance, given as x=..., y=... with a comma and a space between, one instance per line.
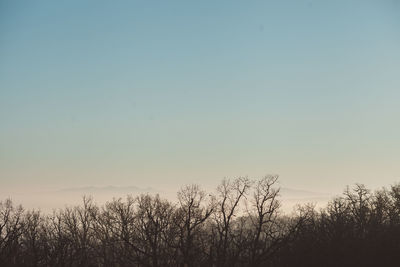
x=240, y=225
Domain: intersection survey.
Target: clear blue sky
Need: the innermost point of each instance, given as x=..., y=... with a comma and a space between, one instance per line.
x=164, y=93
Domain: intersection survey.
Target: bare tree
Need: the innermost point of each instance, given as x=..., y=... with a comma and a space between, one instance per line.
x=359, y=203
x=78, y=225
x=240, y=226
x=229, y=195
x=192, y=212
x=263, y=215
x=33, y=239
x=153, y=226
x=395, y=198
x=114, y=232
x=11, y=228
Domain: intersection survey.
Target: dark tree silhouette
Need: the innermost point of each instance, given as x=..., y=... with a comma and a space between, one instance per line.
x=239, y=225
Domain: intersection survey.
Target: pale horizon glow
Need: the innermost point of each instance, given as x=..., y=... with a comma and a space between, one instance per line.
x=163, y=94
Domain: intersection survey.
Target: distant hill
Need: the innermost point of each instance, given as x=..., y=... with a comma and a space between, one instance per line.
x=300, y=194
x=107, y=189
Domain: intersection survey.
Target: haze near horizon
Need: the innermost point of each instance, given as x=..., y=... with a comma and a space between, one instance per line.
x=163, y=94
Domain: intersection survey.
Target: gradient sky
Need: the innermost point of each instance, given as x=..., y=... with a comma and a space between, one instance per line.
x=165, y=93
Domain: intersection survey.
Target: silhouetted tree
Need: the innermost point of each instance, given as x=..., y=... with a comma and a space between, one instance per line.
x=229, y=195
x=193, y=210
x=11, y=229
x=241, y=225
x=263, y=214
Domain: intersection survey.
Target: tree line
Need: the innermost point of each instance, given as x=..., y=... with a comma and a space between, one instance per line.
x=240, y=224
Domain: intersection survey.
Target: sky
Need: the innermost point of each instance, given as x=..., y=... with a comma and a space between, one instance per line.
x=166, y=93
